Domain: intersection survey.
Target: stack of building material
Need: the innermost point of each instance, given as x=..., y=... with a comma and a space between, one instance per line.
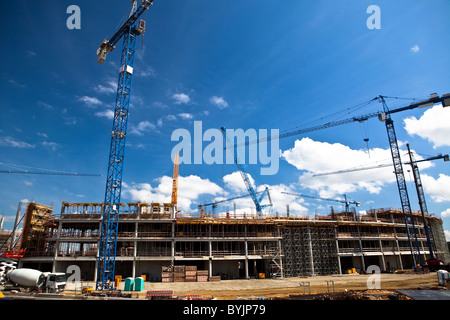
x=179, y=273
x=202, y=275
x=191, y=273
x=214, y=278
x=167, y=274
x=159, y=295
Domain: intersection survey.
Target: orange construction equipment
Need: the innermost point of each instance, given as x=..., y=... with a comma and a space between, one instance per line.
x=175, y=180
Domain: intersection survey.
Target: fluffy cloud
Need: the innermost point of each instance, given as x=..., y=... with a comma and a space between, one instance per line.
x=141, y=127
x=219, y=102
x=415, y=48
x=90, y=101
x=317, y=157
x=438, y=189
x=447, y=235
x=11, y=142
x=236, y=187
x=234, y=181
x=433, y=126
x=445, y=213
x=181, y=98
x=108, y=114
x=186, y=116
x=189, y=190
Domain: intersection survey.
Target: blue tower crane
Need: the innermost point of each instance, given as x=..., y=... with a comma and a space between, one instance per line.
x=248, y=185
x=346, y=201
x=385, y=116
x=129, y=31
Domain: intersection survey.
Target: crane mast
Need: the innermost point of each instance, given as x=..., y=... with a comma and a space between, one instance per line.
x=421, y=197
x=401, y=184
x=129, y=31
x=248, y=185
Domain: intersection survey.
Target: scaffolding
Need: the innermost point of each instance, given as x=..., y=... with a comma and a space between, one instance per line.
x=440, y=244
x=309, y=251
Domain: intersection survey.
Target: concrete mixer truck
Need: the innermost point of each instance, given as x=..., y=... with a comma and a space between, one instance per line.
x=35, y=280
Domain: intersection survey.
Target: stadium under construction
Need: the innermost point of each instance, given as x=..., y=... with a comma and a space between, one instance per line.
x=153, y=236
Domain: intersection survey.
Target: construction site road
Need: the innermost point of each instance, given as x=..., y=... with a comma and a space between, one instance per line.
x=271, y=288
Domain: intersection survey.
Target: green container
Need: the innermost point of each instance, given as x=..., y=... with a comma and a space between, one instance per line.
x=128, y=284
x=139, y=284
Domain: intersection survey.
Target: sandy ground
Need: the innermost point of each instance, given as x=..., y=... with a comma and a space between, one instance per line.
x=269, y=288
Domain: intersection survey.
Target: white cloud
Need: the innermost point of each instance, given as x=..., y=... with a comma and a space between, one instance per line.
x=181, y=98
x=189, y=190
x=415, y=48
x=447, y=235
x=186, y=116
x=90, y=101
x=110, y=87
x=438, y=189
x=146, y=71
x=108, y=114
x=219, y=102
x=50, y=145
x=171, y=117
x=143, y=126
x=11, y=142
x=317, y=157
x=45, y=105
x=234, y=181
x=28, y=183
x=445, y=213
x=433, y=126
x=41, y=134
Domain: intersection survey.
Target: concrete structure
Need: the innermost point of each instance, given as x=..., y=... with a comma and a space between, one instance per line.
x=151, y=236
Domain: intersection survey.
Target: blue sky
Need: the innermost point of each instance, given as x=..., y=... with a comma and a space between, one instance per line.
x=240, y=64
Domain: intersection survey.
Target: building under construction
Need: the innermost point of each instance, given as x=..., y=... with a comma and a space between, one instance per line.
x=153, y=236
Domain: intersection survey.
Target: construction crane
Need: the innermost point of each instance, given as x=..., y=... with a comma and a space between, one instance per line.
x=248, y=185
x=346, y=201
x=385, y=116
x=20, y=169
x=439, y=156
x=53, y=173
x=432, y=262
x=176, y=164
x=434, y=99
x=417, y=181
x=214, y=205
x=129, y=31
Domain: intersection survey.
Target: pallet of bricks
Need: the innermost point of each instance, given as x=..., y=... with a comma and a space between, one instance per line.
x=179, y=273
x=202, y=275
x=191, y=273
x=167, y=274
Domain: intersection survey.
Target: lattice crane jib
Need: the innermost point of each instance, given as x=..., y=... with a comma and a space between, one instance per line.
x=129, y=31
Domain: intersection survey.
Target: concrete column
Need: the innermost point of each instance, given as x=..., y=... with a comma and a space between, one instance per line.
x=246, y=259
x=383, y=262
x=399, y=254
x=95, y=270
x=210, y=266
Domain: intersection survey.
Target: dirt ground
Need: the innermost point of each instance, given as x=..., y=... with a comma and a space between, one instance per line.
x=271, y=288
